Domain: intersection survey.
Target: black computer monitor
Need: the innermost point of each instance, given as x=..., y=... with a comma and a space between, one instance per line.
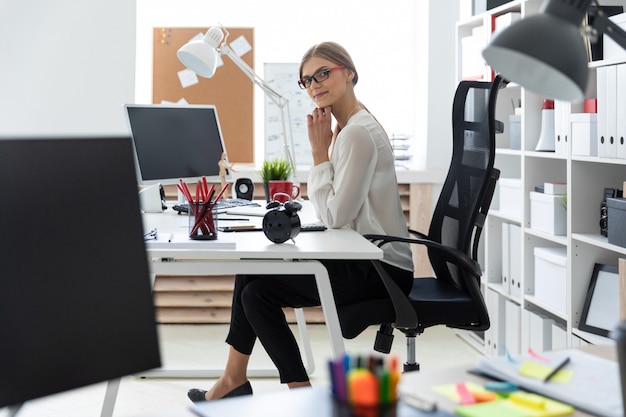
x=76, y=304
x=175, y=142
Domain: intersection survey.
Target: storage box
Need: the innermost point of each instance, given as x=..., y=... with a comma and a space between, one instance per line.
x=515, y=131
x=616, y=221
x=584, y=134
x=551, y=277
x=611, y=49
x=511, y=196
x=548, y=213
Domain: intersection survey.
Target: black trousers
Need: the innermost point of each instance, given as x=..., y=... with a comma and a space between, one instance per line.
x=258, y=301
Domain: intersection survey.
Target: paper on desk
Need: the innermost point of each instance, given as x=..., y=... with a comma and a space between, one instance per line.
x=182, y=241
x=594, y=386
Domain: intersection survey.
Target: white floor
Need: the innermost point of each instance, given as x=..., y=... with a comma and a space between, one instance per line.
x=202, y=345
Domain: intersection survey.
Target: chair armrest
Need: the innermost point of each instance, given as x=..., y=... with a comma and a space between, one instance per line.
x=418, y=234
x=406, y=317
x=458, y=257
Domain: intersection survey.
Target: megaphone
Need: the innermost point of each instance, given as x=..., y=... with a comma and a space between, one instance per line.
x=546, y=139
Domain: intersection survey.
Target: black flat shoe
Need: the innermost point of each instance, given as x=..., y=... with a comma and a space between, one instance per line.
x=198, y=395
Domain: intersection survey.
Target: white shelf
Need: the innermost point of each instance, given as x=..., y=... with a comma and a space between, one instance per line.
x=599, y=241
x=505, y=216
x=561, y=240
x=545, y=307
x=586, y=177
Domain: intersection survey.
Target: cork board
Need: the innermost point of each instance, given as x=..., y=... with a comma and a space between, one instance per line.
x=230, y=90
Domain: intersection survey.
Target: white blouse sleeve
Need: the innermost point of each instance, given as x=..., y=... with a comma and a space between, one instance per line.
x=338, y=189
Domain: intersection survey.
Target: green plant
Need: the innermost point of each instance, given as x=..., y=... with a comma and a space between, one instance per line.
x=275, y=169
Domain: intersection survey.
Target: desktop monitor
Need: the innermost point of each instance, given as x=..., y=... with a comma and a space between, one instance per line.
x=76, y=304
x=175, y=142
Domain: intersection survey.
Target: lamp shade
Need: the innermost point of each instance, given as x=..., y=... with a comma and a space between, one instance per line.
x=200, y=56
x=543, y=53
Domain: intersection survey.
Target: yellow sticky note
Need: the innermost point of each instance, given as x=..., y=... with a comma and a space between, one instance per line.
x=540, y=371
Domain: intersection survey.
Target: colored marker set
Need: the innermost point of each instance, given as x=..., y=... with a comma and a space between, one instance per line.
x=364, y=381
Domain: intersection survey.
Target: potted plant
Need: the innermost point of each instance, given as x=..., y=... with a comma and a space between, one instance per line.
x=274, y=169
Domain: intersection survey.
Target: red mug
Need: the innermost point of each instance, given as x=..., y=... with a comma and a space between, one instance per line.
x=278, y=189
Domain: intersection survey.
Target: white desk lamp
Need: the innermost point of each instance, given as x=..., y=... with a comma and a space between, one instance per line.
x=200, y=56
x=546, y=53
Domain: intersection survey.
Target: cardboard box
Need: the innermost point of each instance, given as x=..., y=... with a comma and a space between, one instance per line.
x=551, y=277
x=616, y=221
x=584, y=134
x=548, y=213
x=511, y=196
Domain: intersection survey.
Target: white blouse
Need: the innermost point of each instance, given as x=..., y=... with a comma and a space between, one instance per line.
x=358, y=187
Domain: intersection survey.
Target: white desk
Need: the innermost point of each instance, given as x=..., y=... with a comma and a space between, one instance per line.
x=255, y=254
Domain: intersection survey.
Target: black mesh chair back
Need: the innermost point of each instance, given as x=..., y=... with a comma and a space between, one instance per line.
x=452, y=297
x=466, y=194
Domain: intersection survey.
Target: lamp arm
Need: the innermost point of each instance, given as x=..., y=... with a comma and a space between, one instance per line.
x=603, y=24
x=279, y=100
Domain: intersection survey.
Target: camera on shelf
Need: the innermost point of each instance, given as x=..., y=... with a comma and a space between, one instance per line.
x=604, y=212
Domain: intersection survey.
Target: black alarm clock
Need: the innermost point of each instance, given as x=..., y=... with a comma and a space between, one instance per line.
x=282, y=222
x=244, y=188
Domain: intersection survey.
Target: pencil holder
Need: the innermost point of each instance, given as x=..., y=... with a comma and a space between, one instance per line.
x=202, y=222
x=364, y=386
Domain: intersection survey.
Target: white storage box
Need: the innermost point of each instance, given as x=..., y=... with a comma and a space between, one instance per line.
x=515, y=131
x=611, y=50
x=548, y=214
x=584, y=134
x=551, y=277
x=511, y=196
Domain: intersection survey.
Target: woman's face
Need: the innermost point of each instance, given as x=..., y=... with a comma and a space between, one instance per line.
x=327, y=92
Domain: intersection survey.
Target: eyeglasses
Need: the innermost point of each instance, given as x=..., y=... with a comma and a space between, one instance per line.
x=319, y=76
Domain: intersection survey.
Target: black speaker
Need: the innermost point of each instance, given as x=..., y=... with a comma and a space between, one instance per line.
x=244, y=188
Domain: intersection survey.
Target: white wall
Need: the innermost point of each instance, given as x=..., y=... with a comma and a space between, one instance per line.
x=66, y=66
x=442, y=18
x=84, y=65
x=380, y=36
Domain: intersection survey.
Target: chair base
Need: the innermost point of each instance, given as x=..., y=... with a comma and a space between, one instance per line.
x=384, y=339
x=411, y=367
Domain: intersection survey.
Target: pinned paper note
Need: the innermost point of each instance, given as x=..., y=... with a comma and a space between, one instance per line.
x=187, y=78
x=241, y=46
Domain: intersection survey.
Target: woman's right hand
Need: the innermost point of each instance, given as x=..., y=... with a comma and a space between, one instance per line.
x=320, y=133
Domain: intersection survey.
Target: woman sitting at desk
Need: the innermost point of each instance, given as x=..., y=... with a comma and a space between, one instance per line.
x=352, y=183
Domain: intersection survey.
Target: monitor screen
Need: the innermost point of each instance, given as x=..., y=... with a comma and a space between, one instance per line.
x=76, y=303
x=175, y=142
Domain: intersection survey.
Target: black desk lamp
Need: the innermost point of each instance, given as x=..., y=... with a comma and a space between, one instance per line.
x=546, y=53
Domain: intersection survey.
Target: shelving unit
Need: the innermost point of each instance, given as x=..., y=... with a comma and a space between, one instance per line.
x=520, y=319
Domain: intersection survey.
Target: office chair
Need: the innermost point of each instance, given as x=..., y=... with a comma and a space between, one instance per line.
x=452, y=297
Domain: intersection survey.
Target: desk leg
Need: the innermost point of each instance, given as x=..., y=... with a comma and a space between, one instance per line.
x=259, y=267
x=110, y=396
x=328, y=307
x=306, y=341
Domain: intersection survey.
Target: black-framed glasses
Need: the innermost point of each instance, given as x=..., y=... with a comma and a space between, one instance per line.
x=319, y=76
